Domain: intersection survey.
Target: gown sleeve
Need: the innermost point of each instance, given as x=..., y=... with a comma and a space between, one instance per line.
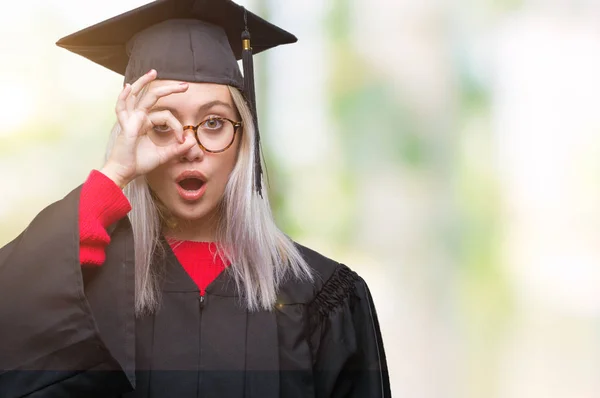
x=55, y=338
x=348, y=352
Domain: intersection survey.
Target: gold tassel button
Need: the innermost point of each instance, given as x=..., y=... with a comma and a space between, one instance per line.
x=246, y=44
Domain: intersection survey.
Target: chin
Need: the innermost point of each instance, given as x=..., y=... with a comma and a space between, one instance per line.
x=193, y=211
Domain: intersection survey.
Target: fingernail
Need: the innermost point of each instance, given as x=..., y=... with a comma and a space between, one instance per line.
x=183, y=84
x=150, y=71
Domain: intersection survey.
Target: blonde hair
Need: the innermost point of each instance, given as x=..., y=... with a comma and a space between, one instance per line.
x=260, y=254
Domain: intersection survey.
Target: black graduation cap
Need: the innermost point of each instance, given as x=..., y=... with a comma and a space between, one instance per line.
x=188, y=40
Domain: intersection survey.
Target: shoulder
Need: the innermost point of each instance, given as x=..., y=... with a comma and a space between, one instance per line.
x=332, y=282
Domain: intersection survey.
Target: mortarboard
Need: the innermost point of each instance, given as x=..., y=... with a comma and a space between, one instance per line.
x=188, y=40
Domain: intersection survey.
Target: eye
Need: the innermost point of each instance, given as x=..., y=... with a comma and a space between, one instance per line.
x=213, y=123
x=161, y=128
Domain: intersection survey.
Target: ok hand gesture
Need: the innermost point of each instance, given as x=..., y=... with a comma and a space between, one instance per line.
x=133, y=153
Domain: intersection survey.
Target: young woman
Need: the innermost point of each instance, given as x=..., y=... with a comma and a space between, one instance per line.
x=164, y=274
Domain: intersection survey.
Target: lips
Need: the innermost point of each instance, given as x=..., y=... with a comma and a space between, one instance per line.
x=191, y=185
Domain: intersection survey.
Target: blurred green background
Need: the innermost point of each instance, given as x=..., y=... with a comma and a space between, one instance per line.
x=448, y=151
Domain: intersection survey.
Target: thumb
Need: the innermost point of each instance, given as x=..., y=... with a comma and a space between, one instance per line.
x=178, y=149
x=186, y=145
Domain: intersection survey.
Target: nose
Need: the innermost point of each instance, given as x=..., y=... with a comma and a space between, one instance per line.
x=195, y=152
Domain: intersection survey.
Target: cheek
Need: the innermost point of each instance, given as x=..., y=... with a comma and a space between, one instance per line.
x=157, y=180
x=224, y=166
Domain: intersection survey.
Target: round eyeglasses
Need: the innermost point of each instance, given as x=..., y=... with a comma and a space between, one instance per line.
x=214, y=135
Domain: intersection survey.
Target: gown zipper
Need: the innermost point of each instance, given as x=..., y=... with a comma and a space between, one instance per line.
x=201, y=303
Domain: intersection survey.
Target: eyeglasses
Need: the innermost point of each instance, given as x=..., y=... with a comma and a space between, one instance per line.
x=214, y=135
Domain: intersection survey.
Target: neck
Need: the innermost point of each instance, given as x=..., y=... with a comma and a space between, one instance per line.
x=194, y=230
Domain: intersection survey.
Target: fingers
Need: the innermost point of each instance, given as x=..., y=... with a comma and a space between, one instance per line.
x=165, y=117
x=121, y=107
x=137, y=86
x=136, y=100
x=179, y=149
x=137, y=89
x=149, y=99
x=166, y=153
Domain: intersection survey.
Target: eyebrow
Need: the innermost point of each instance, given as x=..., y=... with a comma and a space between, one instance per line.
x=202, y=108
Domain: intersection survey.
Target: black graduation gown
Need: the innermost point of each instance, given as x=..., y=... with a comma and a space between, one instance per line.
x=70, y=332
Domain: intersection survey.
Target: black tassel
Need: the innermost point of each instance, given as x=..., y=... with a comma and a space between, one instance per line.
x=250, y=94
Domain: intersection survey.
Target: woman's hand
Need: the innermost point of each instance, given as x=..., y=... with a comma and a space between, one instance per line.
x=133, y=153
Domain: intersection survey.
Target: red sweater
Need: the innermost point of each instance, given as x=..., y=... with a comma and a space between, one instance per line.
x=102, y=203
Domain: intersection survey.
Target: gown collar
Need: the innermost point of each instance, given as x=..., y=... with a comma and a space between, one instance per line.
x=176, y=279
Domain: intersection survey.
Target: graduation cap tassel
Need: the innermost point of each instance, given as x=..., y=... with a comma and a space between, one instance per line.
x=248, y=65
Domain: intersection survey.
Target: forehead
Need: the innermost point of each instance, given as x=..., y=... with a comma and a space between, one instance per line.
x=194, y=97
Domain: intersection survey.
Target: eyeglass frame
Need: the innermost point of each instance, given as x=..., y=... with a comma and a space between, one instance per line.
x=236, y=126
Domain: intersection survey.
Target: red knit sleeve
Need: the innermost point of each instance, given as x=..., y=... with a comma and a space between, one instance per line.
x=101, y=203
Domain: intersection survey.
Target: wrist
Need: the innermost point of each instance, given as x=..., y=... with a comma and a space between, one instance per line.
x=111, y=174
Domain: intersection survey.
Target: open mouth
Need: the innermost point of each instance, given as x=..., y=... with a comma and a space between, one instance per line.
x=191, y=184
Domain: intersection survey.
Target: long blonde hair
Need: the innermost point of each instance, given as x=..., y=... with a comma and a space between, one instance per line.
x=260, y=254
